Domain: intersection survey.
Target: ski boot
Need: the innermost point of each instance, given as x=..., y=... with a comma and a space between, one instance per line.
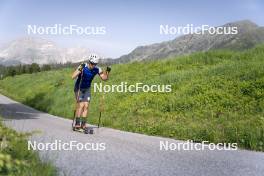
x=84, y=126
x=76, y=124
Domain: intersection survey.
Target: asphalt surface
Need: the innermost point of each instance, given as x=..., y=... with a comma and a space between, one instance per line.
x=113, y=152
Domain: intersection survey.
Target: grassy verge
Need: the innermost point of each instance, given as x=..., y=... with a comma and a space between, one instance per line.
x=216, y=96
x=16, y=159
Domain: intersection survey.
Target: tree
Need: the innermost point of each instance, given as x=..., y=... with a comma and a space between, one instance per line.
x=11, y=71
x=24, y=69
x=46, y=67
x=18, y=69
x=33, y=68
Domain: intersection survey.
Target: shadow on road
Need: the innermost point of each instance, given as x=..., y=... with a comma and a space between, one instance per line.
x=15, y=111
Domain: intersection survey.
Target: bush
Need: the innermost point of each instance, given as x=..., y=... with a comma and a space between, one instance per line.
x=16, y=159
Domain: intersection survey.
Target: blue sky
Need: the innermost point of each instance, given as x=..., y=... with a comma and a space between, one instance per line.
x=129, y=23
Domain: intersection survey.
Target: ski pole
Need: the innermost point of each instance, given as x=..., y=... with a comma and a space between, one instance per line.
x=99, y=121
x=101, y=104
x=100, y=108
x=78, y=95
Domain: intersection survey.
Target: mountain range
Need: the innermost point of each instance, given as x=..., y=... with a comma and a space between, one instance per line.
x=38, y=50
x=28, y=50
x=249, y=34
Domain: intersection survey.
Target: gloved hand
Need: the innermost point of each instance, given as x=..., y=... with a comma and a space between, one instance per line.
x=108, y=69
x=80, y=68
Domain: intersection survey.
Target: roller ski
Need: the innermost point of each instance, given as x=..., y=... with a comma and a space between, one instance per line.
x=79, y=125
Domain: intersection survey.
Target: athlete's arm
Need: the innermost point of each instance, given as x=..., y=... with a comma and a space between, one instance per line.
x=76, y=73
x=104, y=75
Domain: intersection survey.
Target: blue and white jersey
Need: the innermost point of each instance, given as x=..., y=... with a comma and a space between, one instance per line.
x=87, y=77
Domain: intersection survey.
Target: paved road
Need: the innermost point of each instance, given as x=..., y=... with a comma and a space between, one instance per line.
x=123, y=153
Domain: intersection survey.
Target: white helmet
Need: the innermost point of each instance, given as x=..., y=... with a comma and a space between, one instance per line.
x=94, y=59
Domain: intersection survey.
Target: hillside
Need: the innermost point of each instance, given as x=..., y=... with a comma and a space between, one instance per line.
x=249, y=34
x=216, y=96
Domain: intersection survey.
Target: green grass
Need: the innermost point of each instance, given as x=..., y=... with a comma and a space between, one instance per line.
x=216, y=96
x=16, y=159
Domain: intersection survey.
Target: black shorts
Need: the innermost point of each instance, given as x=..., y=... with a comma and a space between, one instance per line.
x=84, y=95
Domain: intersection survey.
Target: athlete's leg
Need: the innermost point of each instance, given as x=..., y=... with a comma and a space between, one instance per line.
x=79, y=113
x=80, y=108
x=85, y=109
x=86, y=99
x=84, y=113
